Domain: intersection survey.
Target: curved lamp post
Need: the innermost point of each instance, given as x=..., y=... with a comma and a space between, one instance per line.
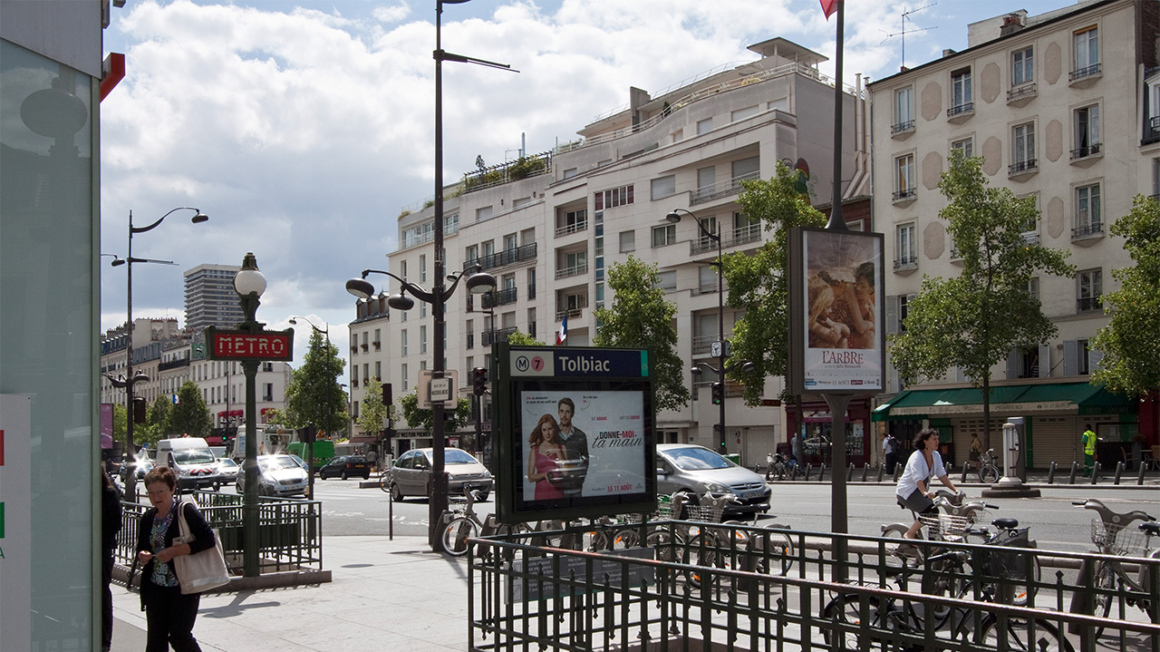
x=325, y=330
x=477, y=283
x=198, y=218
x=249, y=283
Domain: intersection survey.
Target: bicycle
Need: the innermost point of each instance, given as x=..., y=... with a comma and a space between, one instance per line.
x=459, y=525
x=988, y=469
x=385, y=479
x=1112, y=536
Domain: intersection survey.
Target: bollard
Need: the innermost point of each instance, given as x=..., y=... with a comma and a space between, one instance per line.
x=1074, y=468
x=850, y=473
x=897, y=472
x=881, y=470
x=822, y=472
x=809, y=467
x=1140, y=477
x=1119, y=470
x=865, y=471
x=1095, y=472
x=793, y=471
x=1051, y=474
x=963, y=480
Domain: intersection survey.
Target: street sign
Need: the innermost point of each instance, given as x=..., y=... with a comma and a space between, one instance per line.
x=263, y=346
x=441, y=390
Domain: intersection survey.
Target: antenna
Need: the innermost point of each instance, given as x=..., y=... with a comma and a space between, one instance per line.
x=906, y=17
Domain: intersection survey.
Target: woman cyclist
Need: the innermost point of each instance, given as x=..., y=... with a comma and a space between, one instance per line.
x=913, y=491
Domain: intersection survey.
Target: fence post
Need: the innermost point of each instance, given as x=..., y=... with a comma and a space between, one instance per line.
x=1140, y=476
x=809, y=467
x=881, y=470
x=963, y=480
x=1095, y=471
x=1074, y=468
x=822, y=472
x=850, y=473
x=1051, y=474
x=866, y=470
x=1119, y=471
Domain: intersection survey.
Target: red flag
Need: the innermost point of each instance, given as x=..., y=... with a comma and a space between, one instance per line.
x=829, y=7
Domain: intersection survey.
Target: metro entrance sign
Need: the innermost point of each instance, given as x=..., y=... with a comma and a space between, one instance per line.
x=263, y=346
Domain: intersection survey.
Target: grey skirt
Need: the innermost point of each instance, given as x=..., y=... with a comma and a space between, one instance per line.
x=917, y=502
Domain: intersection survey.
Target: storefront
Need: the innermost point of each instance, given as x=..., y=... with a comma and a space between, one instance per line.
x=815, y=428
x=1055, y=416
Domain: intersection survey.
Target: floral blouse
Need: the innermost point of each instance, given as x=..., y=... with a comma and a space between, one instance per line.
x=162, y=575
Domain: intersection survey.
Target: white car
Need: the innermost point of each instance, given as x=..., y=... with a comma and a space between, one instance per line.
x=279, y=475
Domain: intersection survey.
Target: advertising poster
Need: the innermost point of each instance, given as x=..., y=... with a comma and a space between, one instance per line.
x=842, y=311
x=585, y=444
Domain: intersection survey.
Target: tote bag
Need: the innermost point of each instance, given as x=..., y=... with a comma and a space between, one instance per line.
x=200, y=571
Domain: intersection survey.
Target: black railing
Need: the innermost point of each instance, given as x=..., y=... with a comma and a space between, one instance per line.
x=501, y=258
x=491, y=337
x=1026, y=165
x=1084, y=152
x=1082, y=73
x=1089, y=303
x=1151, y=131
x=1019, y=92
x=471, y=340
x=965, y=107
x=499, y=298
x=905, y=262
x=532, y=291
x=1085, y=230
x=899, y=195
x=173, y=364
x=902, y=127
x=521, y=168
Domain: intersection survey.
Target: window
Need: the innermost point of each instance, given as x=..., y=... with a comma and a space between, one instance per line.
x=1090, y=290
x=482, y=214
x=423, y=268
x=422, y=309
x=450, y=224
x=469, y=327
x=570, y=172
x=366, y=372
x=521, y=202
x=627, y=241
x=1023, y=148
x=665, y=235
x=1087, y=210
x=379, y=371
x=704, y=125
x=904, y=177
x=961, y=96
x=403, y=269
x=1156, y=178
x=1033, y=288
x=1022, y=67
x=378, y=339
x=965, y=145
x=1087, y=53
x=907, y=252
x=508, y=282
x=664, y=187
x=667, y=281
x=471, y=254
x=403, y=341
x=1087, y=132
x=903, y=110
x=422, y=339
x=403, y=375
x=747, y=112
x=621, y=196
x=706, y=180
x=707, y=279
x=746, y=168
x=904, y=301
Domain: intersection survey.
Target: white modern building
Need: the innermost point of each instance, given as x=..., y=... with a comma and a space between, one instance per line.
x=210, y=298
x=550, y=225
x=1065, y=108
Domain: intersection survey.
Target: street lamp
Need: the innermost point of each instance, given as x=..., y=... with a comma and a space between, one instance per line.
x=198, y=218
x=312, y=434
x=477, y=283
x=249, y=283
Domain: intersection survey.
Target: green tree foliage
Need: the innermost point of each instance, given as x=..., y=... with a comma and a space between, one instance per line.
x=417, y=417
x=974, y=320
x=119, y=423
x=314, y=396
x=1131, y=342
x=190, y=416
x=157, y=421
x=374, y=414
x=641, y=317
x=279, y=417
x=520, y=338
x=758, y=283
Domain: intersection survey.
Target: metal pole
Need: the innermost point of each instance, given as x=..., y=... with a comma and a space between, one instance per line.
x=250, y=500
x=131, y=478
x=438, y=502
x=721, y=334
x=838, y=520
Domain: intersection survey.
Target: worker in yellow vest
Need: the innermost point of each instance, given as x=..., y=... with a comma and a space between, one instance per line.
x=1088, y=439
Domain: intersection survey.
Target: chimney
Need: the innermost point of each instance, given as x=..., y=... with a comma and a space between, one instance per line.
x=1011, y=23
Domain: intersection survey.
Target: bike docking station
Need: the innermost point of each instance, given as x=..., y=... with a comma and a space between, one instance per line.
x=1011, y=484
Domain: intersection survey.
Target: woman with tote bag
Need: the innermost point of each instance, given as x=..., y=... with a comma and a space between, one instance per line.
x=170, y=614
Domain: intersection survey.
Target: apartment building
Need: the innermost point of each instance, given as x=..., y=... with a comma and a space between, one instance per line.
x=1062, y=107
x=549, y=227
x=210, y=298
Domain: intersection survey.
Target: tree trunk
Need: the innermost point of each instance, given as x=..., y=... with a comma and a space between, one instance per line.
x=987, y=411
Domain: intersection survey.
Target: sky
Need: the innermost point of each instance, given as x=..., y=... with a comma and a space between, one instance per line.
x=304, y=128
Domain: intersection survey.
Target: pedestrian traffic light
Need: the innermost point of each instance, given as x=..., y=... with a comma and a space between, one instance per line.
x=479, y=380
x=387, y=394
x=138, y=410
x=718, y=393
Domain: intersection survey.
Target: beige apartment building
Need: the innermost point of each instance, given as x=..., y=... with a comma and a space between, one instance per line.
x=1065, y=108
x=550, y=227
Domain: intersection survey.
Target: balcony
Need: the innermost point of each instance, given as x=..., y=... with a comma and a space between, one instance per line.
x=702, y=344
x=1087, y=231
x=173, y=364
x=378, y=345
x=1089, y=304
x=905, y=196
x=497, y=175
x=723, y=189
x=575, y=227
x=575, y=270
x=470, y=340
x=1085, y=76
x=1151, y=131
x=902, y=129
x=960, y=113
x=487, y=338
x=354, y=382
x=1031, y=237
x=365, y=347
x=1082, y=154
x=532, y=291
x=572, y=313
x=906, y=263
x=1021, y=95
x=353, y=349
x=740, y=236
x=499, y=298
x=1022, y=169
x=503, y=258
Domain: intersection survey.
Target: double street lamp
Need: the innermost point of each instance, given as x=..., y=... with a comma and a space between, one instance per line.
x=312, y=434
x=477, y=283
x=130, y=379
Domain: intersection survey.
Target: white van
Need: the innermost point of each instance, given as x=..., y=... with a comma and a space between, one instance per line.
x=191, y=460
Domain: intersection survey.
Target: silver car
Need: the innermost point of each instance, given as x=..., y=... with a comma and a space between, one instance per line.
x=697, y=470
x=278, y=475
x=411, y=474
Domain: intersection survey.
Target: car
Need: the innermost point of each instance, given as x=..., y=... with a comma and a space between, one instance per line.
x=411, y=474
x=696, y=470
x=345, y=466
x=141, y=465
x=227, y=469
x=279, y=475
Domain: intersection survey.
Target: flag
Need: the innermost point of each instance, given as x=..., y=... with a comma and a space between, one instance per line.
x=829, y=7
x=563, y=334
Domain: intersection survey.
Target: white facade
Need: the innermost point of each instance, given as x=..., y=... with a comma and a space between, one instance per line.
x=210, y=298
x=550, y=238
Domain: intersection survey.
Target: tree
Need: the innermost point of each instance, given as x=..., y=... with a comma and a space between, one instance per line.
x=374, y=414
x=758, y=283
x=417, y=417
x=314, y=396
x=1131, y=364
x=641, y=317
x=278, y=417
x=190, y=416
x=973, y=320
x=519, y=338
x=157, y=421
x=120, y=419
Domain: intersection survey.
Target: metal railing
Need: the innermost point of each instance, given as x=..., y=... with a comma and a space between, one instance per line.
x=1085, y=230
x=575, y=270
x=575, y=227
x=572, y=313
x=724, y=586
x=902, y=127
x=721, y=189
x=289, y=531
x=961, y=109
x=497, y=175
x=499, y=297
x=1020, y=92
x=1085, y=72
x=519, y=254
x=736, y=237
x=1019, y=167
x=491, y=337
x=1089, y=303
x=906, y=262
x=902, y=195
x=1084, y=152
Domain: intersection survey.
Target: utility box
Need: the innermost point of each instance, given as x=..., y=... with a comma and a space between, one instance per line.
x=1013, y=466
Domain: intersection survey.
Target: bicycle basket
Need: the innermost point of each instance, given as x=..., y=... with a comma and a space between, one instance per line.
x=666, y=509
x=945, y=527
x=1012, y=565
x=1117, y=539
x=703, y=513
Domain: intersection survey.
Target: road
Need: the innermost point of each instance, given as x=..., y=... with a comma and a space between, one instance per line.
x=1055, y=523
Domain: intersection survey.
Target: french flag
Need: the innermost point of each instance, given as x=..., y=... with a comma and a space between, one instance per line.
x=829, y=7
x=563, y=334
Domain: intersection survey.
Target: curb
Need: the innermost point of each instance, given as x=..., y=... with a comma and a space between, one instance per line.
x=277, y=580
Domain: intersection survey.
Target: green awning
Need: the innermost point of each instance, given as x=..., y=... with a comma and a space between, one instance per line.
x=1081, y=398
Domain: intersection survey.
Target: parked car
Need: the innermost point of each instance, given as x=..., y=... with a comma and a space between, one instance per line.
x=228, y=470
x=345, y=466
x=191, y=460
x=140, y=465
x=411, y=474
x=279, y=475
x=697, y=470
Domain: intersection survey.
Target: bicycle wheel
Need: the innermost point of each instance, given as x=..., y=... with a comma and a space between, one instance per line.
x=1019, y=635
x=988, y=475
x=456, y=533
x=846, y=611
x=776, y=550
x=385, y=481
x=1105, y=585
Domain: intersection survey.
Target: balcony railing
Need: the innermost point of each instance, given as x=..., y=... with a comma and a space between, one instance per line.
x=496, y=175
x=1087, y=304
x=1084, y=152
x=532, y=291
x=1020, y=167
x=471, y=340
x=902, y=127
x=740, y=236
x=378, y=345
x=1085, y=230
x=491, y=337
x=722, y=189
x=1151, y=131
x=354, y=382
x=572, y=313
x=173, y=364
x=901, y=195
x=1022, y=92
x=574, y=270
x=501, y=258
x=575, y=227
x=500, y=297
x=906, y=262
x=702, y=344
x=961, y=109
x=1084, y=73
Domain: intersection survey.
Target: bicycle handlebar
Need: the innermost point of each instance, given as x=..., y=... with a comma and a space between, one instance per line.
x=1109, y=516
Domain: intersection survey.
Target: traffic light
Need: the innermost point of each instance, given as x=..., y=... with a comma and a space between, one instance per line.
x=138, y=409
x=718, y=393
x=479, y=381
x=387, y=394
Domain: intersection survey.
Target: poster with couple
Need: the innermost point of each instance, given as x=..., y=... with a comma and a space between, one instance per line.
x=581, y=444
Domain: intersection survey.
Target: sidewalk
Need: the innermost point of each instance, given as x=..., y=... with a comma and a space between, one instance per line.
x=385, y=595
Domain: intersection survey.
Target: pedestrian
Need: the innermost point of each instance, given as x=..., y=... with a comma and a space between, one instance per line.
x=890, y=450
x=913, y=491
x=1088, y=440
x=110, y=526
x=796, y=447
x=976, y=451
x=169, y=614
